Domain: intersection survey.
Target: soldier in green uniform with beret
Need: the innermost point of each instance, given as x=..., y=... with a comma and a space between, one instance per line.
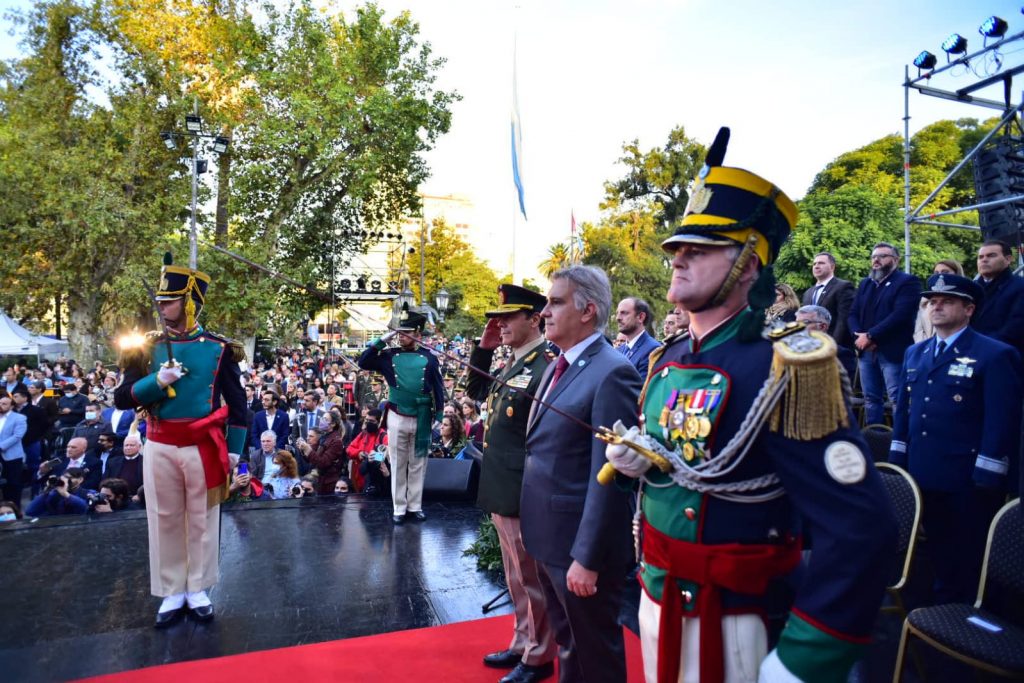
x=755, y=446
x=196, y=425
x=516, y=322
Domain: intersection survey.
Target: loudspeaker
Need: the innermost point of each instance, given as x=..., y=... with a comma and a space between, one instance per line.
x=999, y=174
x=448, y=479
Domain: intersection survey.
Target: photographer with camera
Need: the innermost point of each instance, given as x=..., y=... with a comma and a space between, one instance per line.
x=367, y=443
x=114, y=496
x=306, y=488
x=63, y=495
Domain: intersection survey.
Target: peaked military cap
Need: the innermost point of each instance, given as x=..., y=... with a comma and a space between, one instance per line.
x=954, y=285
x=729, y=205
x=412, y=320
x=177, y=281
x=514, y=298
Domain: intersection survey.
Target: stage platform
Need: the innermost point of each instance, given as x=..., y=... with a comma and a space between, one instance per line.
x=75, y=598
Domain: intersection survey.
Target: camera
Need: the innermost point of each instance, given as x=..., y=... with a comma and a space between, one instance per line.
x=94, y=499
x=297, y=491
x=53, y=482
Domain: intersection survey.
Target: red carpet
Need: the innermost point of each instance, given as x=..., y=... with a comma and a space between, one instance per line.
x=443, y=653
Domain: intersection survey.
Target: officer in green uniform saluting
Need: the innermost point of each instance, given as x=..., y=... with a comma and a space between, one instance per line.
x=196, y=426
x=516, y=322
x=757, y=434
x=415, y=397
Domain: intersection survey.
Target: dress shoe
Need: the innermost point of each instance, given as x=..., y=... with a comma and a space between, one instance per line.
x=506, y=659
x=398, y=519
x=204, y=613
x=525, y=673
x=419, y=515
x=165, y=619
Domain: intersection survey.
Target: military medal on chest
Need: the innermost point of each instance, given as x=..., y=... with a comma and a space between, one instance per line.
x=686, y=419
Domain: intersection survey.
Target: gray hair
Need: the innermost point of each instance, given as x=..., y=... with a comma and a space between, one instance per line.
x=271, y=433
x=133, y=438
x=820, y=313
x=590, y=285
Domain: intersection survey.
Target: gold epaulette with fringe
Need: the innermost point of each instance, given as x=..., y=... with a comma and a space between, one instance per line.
x=813, y=404
x=237, y=348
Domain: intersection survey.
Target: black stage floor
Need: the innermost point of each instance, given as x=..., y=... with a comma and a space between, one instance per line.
x=75, y=599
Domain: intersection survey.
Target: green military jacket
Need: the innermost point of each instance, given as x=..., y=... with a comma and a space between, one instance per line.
x=501, y=478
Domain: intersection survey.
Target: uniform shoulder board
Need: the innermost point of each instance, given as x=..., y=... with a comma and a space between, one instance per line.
x=813, y=404
x=237, y=349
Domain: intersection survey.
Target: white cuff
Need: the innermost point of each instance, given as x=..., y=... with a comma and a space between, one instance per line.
x=774, y=671
x=999, y=466
x=898, y=447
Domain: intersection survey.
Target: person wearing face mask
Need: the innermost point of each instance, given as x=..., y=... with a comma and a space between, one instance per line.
x=9, y=512
x=329, y=457
x=92, y=426
x=282, y=474
x=70, y=407
x=366, y=443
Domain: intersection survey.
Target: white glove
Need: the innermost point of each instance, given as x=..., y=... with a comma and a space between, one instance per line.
x=622, y=457
x=233, y=459
x=168, y=375
x=774, y=671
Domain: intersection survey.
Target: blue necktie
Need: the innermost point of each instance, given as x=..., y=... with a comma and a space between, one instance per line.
x=940, y=347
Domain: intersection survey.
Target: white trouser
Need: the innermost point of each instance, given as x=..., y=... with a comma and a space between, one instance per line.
x=407, y=471
x=184, y=535
x=744, y=645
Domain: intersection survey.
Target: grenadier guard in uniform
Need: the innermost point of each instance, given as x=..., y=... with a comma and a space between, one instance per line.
x=516, y=322
x=196, y=425
x=415, y=398
x=956, y=430
x=755, y=438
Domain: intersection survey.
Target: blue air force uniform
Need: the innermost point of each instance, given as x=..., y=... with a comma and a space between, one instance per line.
x=956, y=430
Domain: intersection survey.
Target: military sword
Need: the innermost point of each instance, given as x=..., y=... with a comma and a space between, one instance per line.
x=167, y=336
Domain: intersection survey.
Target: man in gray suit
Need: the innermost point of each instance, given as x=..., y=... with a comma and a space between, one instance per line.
x=577, y=529
x=12, y=430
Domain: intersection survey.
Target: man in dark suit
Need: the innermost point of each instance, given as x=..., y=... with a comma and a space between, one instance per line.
x=634, y=318
x=109, y=454
x=307, y=417
x=515, y=323
x=77, y=457
x=882, y=322
x=270, y=418
x=834, y=295
x=578, y=529
x=956, y=430
x=1002, y=315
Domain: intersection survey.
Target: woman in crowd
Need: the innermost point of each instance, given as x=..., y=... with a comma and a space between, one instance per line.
x=451, y=439
x=283, y=474
x=329, y=458
x=785, y=307
x=9, y=512
x=474, y=424
x=923, y=327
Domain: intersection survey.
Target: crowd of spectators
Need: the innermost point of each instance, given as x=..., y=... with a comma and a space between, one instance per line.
x=315, y=429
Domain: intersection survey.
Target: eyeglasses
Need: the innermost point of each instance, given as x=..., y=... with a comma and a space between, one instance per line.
x=879, y=257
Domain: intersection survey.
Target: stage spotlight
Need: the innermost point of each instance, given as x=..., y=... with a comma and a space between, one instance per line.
x=346, y=284
x=375, y=285
x=361, y=284
x=993, y=27
x=956, y=44
x=926, y=60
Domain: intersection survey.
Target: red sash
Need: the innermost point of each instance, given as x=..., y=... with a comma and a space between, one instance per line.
x=207, y=434
x=734, y=566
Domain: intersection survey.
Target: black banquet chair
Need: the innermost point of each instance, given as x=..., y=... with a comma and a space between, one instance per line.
x=988, y=635
x=906, y=502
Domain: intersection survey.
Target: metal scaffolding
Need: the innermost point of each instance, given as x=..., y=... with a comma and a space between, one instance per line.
x=965, y=95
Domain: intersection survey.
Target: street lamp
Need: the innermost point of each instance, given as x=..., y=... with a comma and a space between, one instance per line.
x=194, y=130
x=407, y=298
x=442, y=302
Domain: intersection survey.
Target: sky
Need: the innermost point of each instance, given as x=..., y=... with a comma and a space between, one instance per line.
x=799, y=83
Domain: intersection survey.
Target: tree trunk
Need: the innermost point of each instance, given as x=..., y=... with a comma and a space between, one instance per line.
x=82, y=332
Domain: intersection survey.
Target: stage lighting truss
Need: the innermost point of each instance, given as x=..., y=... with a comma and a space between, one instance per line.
x=365, y=287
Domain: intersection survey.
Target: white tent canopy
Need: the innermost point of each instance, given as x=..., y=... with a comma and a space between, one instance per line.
x=15, y=340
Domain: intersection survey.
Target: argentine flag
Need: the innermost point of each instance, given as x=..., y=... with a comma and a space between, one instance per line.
x=517, y=141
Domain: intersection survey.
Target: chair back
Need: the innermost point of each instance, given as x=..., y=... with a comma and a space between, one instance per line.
x=1001, y=590
x=906, y=502
x=879, y=440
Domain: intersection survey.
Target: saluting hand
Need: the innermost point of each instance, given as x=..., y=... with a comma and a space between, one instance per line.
x=491, y=337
